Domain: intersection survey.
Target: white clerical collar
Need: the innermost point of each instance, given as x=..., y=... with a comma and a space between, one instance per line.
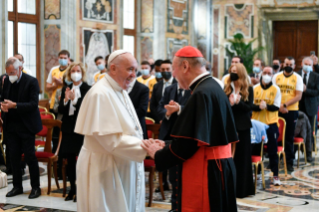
x=113, y=83
x=198, y=77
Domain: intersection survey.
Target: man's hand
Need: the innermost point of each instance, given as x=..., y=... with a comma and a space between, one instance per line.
x=315, y=59
x=262, y=105
x=282, y=109
x=171, y=108
x=58, y=81
x=151, y=147
x=7, y=104
x=231, y=99
x=304, y=87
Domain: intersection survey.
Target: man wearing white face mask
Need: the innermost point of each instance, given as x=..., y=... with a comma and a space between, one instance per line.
x=21, y=121
x=257, y=69
x=267, y=99
x=99, y=62
x=307, y=104
x=146, y=73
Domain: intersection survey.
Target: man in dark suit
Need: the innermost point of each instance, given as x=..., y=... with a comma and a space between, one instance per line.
x=170, y=106
x=139, y=93
x=257, y=69
x=308, y=102
x=159, y=88
x=21, y=121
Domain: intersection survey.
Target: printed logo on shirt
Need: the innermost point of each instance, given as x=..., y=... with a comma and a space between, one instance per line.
x=272, y=94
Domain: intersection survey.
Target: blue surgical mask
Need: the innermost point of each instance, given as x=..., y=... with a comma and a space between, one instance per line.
x=145, y=72
x=256, y=70
x=101, y=67
x=67, y=81
x=307, y=68
x=158, y=75
x=63, y=62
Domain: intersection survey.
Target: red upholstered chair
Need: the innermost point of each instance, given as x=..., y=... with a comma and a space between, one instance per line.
x=1, y=141
x=149, y=165
x=281, y=138
x=43, y=133
x=256, y=161
x=149, y=121
x=300, y=142
x=42, y=109
x=47, y=156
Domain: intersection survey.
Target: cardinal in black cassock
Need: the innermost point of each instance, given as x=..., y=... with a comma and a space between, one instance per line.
x=203, y=134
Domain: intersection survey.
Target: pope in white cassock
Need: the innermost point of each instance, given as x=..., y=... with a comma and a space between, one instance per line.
x=110, y=171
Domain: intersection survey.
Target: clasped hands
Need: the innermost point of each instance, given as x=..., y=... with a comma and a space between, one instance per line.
x=152, y=146
x=6, y=105
x=69, y=94
x=232, y=99
x=171, y=108
x=262, y=105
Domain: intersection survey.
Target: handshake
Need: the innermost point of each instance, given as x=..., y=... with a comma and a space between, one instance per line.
x=152, y=146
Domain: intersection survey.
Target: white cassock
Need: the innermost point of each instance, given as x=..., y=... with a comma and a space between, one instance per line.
x=110, y=170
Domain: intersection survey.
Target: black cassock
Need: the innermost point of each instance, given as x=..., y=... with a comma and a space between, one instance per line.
x=201, y=147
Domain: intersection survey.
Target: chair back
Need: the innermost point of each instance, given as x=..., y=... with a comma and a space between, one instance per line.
x=50, y=124
x=42, y=109
x=149, y=121
x=282, y=131
x=154, y=129
x=45, y=115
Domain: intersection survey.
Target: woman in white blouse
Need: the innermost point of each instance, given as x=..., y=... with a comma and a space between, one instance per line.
x=70, y=102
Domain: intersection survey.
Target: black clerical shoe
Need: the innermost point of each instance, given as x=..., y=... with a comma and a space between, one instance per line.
x=290, y=168
x=71, y=196
x=35, y=193
x=15, y=192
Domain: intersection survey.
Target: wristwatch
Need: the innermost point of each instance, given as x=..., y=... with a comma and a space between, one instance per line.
x=285, y=105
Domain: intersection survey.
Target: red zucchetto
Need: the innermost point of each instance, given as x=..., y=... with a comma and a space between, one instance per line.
x=188, y=51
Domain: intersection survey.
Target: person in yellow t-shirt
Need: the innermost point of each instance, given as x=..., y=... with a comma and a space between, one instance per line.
x=291, y=88
x=101, y=65
x=54, y=80
x=146, y=73
x=267, y=98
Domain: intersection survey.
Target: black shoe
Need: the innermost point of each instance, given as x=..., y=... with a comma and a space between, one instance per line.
x=70, y=196
x=290, y=168
x=309, y=159
x=74, y=199
x=15, y=192
x=35, y=193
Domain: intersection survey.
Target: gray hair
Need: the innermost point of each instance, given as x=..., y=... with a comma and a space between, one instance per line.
x=15, y=62
x=307, y=58
x=194, y=61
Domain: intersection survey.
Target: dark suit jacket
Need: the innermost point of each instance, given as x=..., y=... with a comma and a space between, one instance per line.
x=308, y=102
x=27, y=104
x=68, y=122
x=167, y=125
x=139, y=97
x=156, y=98
x=242, y=112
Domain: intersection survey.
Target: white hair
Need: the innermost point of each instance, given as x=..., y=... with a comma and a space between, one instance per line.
x=307, y=58
x=15, y=62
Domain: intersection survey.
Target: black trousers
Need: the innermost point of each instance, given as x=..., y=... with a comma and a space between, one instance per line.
x=19, y=143
x=309, y=145
x=71, y=170
x=272, y=146
x=291, y=119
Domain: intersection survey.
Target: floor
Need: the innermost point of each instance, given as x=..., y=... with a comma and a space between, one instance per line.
x=299, y=192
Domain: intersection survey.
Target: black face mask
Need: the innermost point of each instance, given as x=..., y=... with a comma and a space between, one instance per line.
x=288, y=69
x=166, y=75
x=234, y=77
x=275, y=67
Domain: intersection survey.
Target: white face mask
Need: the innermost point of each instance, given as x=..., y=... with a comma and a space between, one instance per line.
x=13, y=78
x=76, y=76
x=266, y=79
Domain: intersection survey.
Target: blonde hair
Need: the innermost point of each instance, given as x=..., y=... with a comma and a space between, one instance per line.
x=242, y=80
x=71, y=66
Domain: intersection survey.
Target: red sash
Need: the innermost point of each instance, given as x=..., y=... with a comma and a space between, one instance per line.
x=195, y=177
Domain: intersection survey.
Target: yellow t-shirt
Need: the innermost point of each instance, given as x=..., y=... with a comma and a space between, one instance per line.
x=151, y=84
x=288, y=87
x=98, y=76
x=145, y=81
x=271, y=96
x=55, y=72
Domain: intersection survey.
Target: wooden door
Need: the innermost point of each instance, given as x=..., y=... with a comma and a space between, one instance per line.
x=296, y=39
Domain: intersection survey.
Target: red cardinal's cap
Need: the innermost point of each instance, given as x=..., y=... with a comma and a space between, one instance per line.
x=188, y=51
